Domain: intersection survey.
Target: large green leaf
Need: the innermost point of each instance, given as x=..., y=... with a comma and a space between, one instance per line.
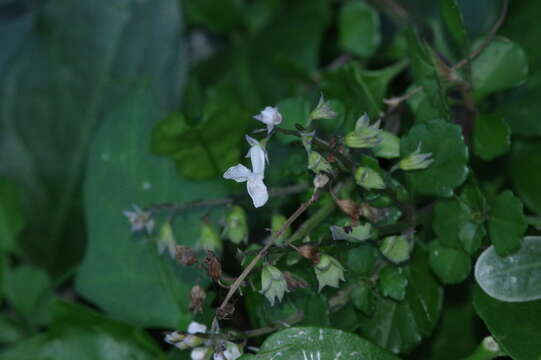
x=491, y=136
x=74, y=65
x=450, y=154
x=121, y=273
x=79, y=333
x=318, y=343
x=455, y=24
x=452, y=266
x=359, y=29
x=12, y=219
x=400, y=326
x=222, y=16
x=506, y=224
x=514, y=278
x=514, y=326
x=524, y=166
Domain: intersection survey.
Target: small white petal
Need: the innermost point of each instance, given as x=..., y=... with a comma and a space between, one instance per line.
x=258, y=158
x=196, y=327
x=200, y=353
x=251, y=140
x=270, y=116
x=257, y=190
x=239, y=173
x=218, y=356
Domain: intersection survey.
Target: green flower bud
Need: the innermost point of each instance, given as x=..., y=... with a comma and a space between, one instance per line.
x=273, y=283
x=396, y=248
x=166, y=240
x=236, y=228
x=318, y=163
x=323, y=110
x=368, y=178
x=209, y=240
x=328, y=271
x=277, y=221
x=357, y=234
x=416, y=160
x=364, y=135
x=389, y=147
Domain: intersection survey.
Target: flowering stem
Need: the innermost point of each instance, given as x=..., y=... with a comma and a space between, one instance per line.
x=264, y=250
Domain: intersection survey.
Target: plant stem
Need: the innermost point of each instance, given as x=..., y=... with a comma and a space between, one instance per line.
x=487, y=350
x=309, y=225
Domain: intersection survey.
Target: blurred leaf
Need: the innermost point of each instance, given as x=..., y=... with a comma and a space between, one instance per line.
x=455, y=23
x=222, y=16
x=359, y=29
x=426, y=75
x=204, y=150
x=12, y=218
x=514, y=278
x=119, y=267
x=506, y=224
x=524, y=165
x=362, y=298
x=512, y=325
x=10, y=331
x=28, y=290
x=501, y=66
x=318, y=343
x=450, y=265
x=295, y=110
x=491, y=136
x=79, y=59
x=393, y=282
x=450, y=154
x=361, y=260
x=79, y=333
x=399, y=327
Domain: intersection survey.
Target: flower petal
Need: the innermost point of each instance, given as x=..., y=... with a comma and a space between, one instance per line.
x=257, y=157
x=196, y=327
x=257, y=190
x=239, y=173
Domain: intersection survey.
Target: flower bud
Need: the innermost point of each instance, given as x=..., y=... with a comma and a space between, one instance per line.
x=396, y=248
x=320, y=180
x=329, y=271
x=273, y=283
x=368, y=178
x=185, y=255
x=269, y=116
x=236, y=228
x=416, y=160
x=318, y=163
x=209, y=239
x=166, y=240
x=323, y=110
x=277, y=221
x=389, y=147
x=349, y=207
x=364, y=135
x=197, y=298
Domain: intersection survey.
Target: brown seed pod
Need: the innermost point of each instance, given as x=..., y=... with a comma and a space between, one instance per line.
x=185, y=255
x=214, y=268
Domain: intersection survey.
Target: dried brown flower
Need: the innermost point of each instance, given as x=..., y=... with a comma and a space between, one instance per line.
x=197, y=298
x=214, y=267
x=309, y=252
x=185, y=255
x=294, y=282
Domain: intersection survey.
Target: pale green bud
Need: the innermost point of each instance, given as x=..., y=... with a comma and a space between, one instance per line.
x=396, y=248
x=328, y=271
x=389, y=147
x=368, y=178
x=209, y=239
x=277, y=221
x=364, y=135
x=323, y=110
x=357, y=234
x=236, y=228
x=416, y=160
x=318, y=163
x=166, y=240
x=273, y=283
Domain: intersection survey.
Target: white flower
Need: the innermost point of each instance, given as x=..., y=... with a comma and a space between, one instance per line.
x=270, y=116
x=201, y=353
x=140, y=219
x=231, y=352
x=196, y=327
x=253, y=178
x=183, y=341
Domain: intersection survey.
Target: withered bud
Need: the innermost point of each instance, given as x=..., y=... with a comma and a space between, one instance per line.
x=197, y=298
x=225, y=312
x=350, y=208
x=320, y=180
x=369, y=212
x=294, y=282
x=214, y=267
x=185, y=255
x=309, y=252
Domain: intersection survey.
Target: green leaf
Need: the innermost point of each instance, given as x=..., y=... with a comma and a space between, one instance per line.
x=514, y=278
x=501, y=66
x=295, y=110
x=362, y=298
x=119, y=267
x=524, y=166
x=491, y=136
x=450, y=154
x=359, y=29
x=399, y=327
x=28, y=290
x=450, y=265
x=79, y=333
x=12, y=218
x=318, y=343
x=506, y=224
x=449, y=216
x=426, y=75
x=455, y=23
x=512, y=325
x=361, y=260
x=396, y=248
x=71, y=68
x=204, y=150
x=222, y=17
x=393, y=282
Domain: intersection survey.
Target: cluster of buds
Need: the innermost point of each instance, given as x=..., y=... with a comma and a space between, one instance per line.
x=203, y=347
